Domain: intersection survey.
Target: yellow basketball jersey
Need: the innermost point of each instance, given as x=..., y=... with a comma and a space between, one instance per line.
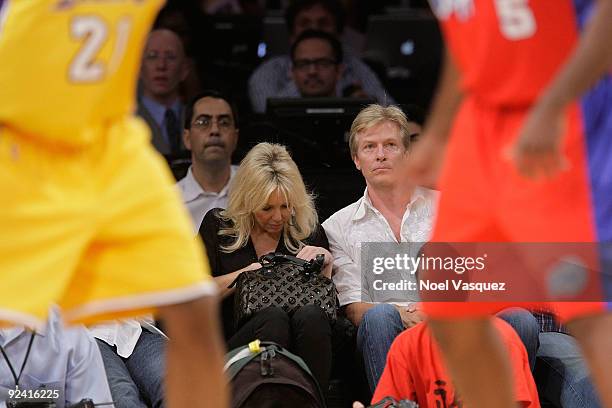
x=68, y=67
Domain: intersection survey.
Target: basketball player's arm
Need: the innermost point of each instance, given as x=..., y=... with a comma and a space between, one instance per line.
x=538, y=149
x=427, y=154
x=194, y=355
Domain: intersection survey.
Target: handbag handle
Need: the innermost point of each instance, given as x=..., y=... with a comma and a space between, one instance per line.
x=309, y=268
x=313, y=266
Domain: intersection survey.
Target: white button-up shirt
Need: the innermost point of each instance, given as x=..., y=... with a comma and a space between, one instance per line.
x=123, y=333
x=198, y=201
x=361, y=222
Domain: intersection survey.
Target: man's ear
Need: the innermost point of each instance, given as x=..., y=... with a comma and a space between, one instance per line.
x=187, y=139
x=356, y=161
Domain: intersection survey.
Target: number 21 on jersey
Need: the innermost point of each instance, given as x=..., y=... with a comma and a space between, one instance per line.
x=92, y=31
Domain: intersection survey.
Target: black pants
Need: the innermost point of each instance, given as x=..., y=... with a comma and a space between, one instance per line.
x=307, y=333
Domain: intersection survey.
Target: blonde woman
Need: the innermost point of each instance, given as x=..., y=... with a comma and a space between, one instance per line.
x=269, y=210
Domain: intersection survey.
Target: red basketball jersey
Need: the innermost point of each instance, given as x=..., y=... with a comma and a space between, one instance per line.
x=508, y=50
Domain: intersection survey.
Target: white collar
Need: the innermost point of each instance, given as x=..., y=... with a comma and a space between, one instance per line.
x=9, y=334
x=192, y=189
x=365, y=203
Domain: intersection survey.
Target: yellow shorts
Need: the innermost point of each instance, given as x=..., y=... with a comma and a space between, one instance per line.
x=99, y=231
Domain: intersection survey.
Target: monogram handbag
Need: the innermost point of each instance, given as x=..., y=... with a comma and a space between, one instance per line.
x=284, y=281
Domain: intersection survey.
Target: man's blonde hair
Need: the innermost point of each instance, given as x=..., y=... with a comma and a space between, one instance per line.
x=266, y=168
x=374, y=114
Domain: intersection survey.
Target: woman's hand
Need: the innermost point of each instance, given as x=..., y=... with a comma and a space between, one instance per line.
x=251, y=267
x=310, y=252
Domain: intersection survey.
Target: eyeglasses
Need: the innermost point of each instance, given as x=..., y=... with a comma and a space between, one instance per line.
x=154, y=56
x=206, y=122
x=319, y=63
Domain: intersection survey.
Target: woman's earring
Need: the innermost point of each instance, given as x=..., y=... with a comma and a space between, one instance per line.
x=292, y=218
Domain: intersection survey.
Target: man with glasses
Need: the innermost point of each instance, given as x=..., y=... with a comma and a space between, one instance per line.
x=211, y=134
x=163, y=69
x=316, y=64
x=273, y=78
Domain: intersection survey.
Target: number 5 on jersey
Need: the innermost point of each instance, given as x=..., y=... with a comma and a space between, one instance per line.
x=516, y=20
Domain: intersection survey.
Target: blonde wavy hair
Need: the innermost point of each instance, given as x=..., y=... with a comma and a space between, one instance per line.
x=266, y=168
x=371, y=116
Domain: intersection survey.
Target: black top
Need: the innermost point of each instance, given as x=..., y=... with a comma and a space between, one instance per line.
x=222, y=263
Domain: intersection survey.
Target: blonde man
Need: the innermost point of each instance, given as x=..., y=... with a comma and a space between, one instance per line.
x=392, y=209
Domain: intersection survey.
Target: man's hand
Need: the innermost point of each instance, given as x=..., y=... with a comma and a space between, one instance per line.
x=425, y=161
x=358, y=404
x=411, y=316
x=537, y=151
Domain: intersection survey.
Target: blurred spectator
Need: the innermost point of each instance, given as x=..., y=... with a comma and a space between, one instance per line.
x=558, y=365
x=163, y=69
x=415, y=370
x=181, y=18
x=211, y=134
x=316, y=64
x=134, y=360
x=63, y=362
x=273, y=77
